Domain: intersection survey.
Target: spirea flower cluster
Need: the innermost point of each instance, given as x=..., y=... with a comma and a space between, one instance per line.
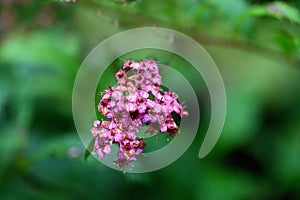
x=136, y=100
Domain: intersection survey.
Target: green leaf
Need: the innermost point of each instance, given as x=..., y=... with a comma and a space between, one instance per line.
x=13, y=144
x=277, y=10
x=288, y=43
x=89, y=149
x=283, y=10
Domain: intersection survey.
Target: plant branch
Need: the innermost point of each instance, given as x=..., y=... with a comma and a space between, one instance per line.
x=132, y=17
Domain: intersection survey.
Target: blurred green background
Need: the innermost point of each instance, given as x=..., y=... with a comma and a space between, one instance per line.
x=255, y=44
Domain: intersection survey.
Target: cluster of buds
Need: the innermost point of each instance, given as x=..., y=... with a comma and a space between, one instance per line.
x=136, y=100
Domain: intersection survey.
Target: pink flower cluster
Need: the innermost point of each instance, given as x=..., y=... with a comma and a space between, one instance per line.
x=136, y=100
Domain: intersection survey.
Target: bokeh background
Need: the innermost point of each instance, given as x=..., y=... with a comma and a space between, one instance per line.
x=255, y=44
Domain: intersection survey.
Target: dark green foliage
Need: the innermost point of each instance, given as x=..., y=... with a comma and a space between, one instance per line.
x=256, y=46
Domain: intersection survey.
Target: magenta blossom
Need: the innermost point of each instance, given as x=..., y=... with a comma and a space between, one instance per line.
x=136, y=100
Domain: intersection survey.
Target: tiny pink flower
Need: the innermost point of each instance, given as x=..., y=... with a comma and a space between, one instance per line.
x=163, y=128
x=150, y=103
x=106, y=149
x=128, y=106
x=117, y=95
x=142, y=108
x=146, y=118
x=135, y=65
x=157, y=108
x=119, y=137
x=97, y=123
x=132, y=97
x=144, y=94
